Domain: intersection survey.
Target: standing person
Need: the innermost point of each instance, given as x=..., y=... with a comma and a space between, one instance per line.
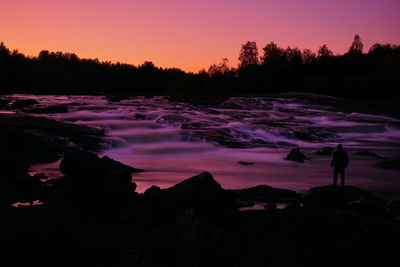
x=339, y=162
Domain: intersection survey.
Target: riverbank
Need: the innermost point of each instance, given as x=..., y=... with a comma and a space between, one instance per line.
x=93, y=216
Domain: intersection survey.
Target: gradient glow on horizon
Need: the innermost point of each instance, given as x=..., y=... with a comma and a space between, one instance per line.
x=191, y=34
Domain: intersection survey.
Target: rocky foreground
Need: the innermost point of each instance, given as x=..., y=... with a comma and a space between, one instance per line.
x=92, y=215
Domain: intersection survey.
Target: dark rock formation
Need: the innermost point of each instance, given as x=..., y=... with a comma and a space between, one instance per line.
x=23, y=103
x=330, y=198
x=245, y=163
x=296, y=155
x=389, y=164
x=50, y=109
x=200, y=191
x=325, y=151
x=86, y=165
x=266, y=193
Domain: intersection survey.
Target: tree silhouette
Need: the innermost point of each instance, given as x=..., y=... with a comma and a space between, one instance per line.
x=273, y=55
x=248, y=55
x=357, y=46
x=308, y=56
x=220, y=69
x=324, y=52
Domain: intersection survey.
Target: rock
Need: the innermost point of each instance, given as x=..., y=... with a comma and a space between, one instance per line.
x=247, y=103
x=116, y=98
x=87, y=166
x=40, y=176
x=325, y=151
x=3, y=103
x=140, y=116
x=173, y=119
x=325, y=199
x=366, y=153
x=313, y=134
x=23, y=103
x=51, y=109
x=270, y=206
x=332, y=198
x=203, y=100
x=201, y=192
x=245, y=163
x=394, y=207
x=389, y=164
x=349, y=193
x=265, y=193
x=296, y=155
x=368, y=209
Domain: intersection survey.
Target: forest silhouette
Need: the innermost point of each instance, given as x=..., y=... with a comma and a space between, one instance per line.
x=355, y=74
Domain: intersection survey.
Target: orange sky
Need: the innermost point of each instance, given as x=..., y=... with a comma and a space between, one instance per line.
x=191, y=34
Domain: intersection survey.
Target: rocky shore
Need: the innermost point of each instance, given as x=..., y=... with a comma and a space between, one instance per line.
x=93, y=216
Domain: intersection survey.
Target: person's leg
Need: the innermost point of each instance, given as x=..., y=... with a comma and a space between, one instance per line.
x=335, y=175
x=342, y=177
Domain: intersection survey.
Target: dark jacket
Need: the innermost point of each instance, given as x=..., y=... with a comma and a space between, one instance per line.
x=340, y=160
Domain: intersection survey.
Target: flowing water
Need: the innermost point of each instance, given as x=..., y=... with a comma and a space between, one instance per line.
x=242, y=143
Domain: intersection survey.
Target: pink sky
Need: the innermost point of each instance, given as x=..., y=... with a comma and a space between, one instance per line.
x=191, y=34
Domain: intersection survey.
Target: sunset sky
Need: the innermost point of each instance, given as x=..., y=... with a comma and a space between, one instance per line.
x=191, y=34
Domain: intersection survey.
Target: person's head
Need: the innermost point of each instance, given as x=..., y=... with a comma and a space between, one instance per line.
x=339, y=147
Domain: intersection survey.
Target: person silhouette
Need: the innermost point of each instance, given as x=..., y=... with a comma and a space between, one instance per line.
x=339, y=163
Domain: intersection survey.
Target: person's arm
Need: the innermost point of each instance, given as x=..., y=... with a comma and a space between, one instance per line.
x=333, y=160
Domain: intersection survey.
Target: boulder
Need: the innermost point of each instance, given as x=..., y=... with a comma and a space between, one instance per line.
x=296, y=155
x=245, y=163
x=331, y=198
x=140, y=116
x=394, y=207
x=349, y=193
x=87, y=166
x=201, y=192
x=265, y=193
x=3, y=103
x=389, y=164
x=23, y=103
x=325, y=151
x=50, y=109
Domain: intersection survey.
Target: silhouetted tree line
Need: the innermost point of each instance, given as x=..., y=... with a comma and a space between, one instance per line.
x=374, y=74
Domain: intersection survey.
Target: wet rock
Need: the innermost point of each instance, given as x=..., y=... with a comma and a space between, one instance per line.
x=368, y=209
x=23, y=103
x=173, y=119
x=265, y=193
x=245, y=163
x=3, y=103
x=51, y=109
x=48, y=126
x=200, y=191
x=296, y=155
x=325, y=199
x=330, y=198
x=87, y=166
x=394, y=207
x=389, y=164
x=247, y=103
x=366, y=153
x=140, y=116
x=313, y=134
x=40, y=176
x=349, y=193
x=270, y=206
x=325, y=151
x=116, y=98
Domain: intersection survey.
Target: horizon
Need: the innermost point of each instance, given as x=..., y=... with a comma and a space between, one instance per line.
x=191, y=36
